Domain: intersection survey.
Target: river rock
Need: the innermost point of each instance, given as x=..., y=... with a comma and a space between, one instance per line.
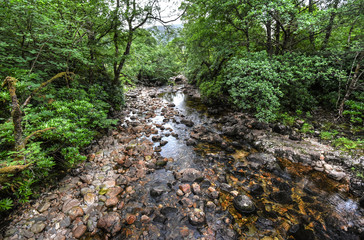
x=89, y=198
x=282, y=197
x=243, y=204
x=44, y=207
x=336, y=175
x=111, y=223
x=79, y=231
x=187, y=122
x=196, y=217
x=196, y=188
x=70, y=204
x=37, y=227
x=189, y=175
x=256, y=160
x=75, y=212
x=111, y=202
x=186, y=188
x=157, y=191
x=361, y=202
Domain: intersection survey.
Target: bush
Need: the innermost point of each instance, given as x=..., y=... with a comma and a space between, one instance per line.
x=76, y=114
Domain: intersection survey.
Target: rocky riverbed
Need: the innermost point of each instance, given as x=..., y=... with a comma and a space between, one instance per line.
x=175, y=169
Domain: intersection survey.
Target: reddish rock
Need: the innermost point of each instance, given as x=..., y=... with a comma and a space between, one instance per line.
x=110, y=223
x=110, y=202
x=114, y=192
x=79, y=231
x=131, y=219
x=184, y=231
x=75, y=212
x=186, y=188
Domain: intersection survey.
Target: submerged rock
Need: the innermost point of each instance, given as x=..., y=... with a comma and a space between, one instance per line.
x=197, y=217
x=243, y=204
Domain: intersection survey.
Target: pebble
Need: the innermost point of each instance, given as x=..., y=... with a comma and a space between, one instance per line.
x=145, y=219
x=186, y=188
x=131, y=219
x=196, y=188
x=179, y=192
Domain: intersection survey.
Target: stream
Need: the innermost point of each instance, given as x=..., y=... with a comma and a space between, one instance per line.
x=291, y=201
x=170, y=171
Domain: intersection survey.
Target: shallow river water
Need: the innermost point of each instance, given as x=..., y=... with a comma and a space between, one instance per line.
x=291, y=200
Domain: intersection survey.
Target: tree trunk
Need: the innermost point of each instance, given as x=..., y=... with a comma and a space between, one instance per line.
x=330, y=25
x=312, y=36
x=352, y=84
x=269, y=37
x=16, y=113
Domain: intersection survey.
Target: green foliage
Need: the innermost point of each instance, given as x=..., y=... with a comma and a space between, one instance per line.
x=355, y=109
x=286, y=119
x=253, y=84
x=307, y=128
x=346, y=144
x=77, y=113
x=6, y=204
x=328, y=135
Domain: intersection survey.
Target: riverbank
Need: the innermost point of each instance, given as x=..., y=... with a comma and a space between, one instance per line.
x=175, y=169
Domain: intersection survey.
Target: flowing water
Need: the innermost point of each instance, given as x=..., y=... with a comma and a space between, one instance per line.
x=292, y=201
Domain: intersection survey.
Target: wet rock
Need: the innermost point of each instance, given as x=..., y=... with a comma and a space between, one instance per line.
x=179, y=192
x=299, y=232
x=187, y=202
x=226, y=187
x=256, y=190
x=159, y=219
x=162, y=143
x=37, y=227
x=196, y=188
x=161, y=163
x=157, y=191
x=110, y=222
x=197, y=217
x=166, y=211
x=121, y=180
x=210, y=204
x=184, y=231
x=361, y=202
x=79, y=231
x=189, y=175
x=70, y=204
x=187, y=122
x=243, y=204
x=281, y=129
x=191, y=142
x=256, y=160
x=282, y=197
x=156, y=138
x=186, y=188
x=145, y=219
x=75, y=212
x=131, y=219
